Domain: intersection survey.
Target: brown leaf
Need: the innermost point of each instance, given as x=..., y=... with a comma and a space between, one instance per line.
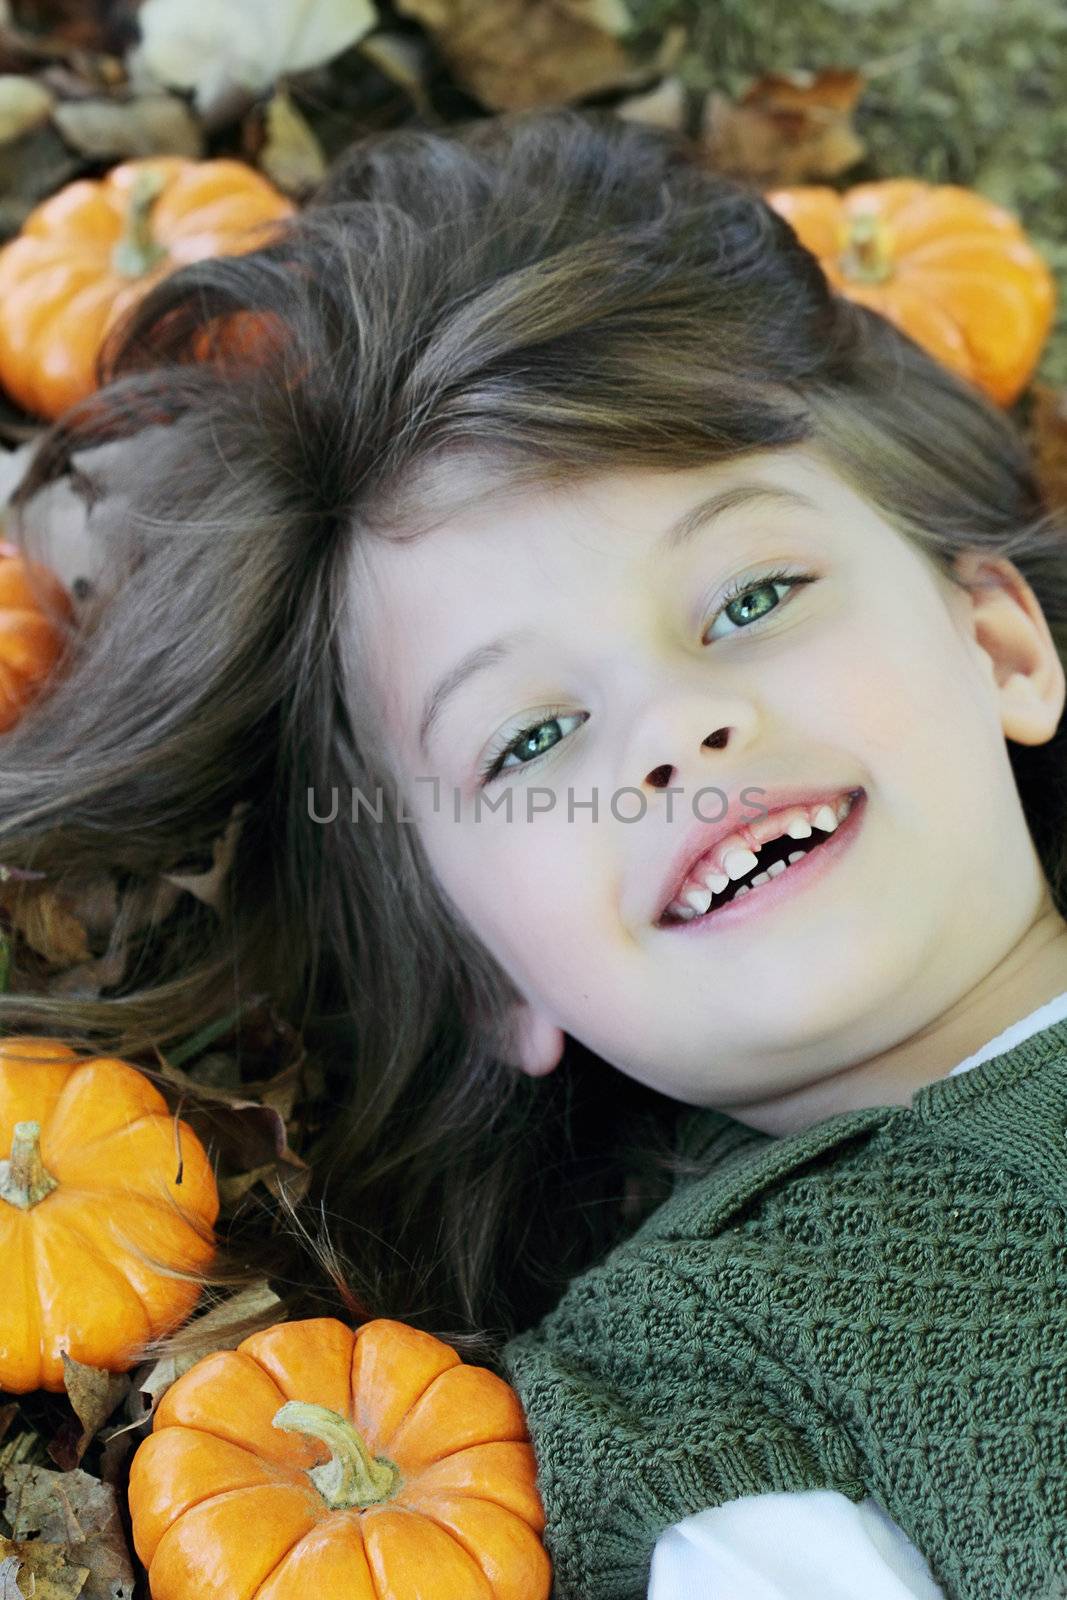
x=661, y=107
x=404, y=59
x=156, y=124
x=787, y=128
x=20, y=1448
x=93, y=1395
x=24, y=104
x=221, y=1328
x=38, y=1571
x=46, y=923
x=1048, y=440
x=207, y=886
x=75, y=1513
x=290, y=155
x=516, y=54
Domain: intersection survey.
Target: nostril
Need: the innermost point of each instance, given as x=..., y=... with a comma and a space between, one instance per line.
x=659, y=777
x=717, y=740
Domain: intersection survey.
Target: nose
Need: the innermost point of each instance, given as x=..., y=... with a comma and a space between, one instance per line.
x=662, y=776
x=680, y=730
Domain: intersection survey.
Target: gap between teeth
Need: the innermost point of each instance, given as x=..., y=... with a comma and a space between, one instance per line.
x=737, y=861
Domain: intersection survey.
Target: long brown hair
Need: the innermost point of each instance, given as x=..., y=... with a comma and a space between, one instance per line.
x=555, y=294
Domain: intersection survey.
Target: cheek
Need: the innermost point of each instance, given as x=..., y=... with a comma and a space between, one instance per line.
x=528, y=889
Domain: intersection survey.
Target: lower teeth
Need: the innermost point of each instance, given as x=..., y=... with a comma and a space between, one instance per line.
x=746, y=888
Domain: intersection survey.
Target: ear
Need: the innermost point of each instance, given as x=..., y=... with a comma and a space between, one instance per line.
x=1009, y=626
x=534, y=1044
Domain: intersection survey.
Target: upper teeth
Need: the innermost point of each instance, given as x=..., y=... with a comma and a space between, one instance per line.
x=732, y=858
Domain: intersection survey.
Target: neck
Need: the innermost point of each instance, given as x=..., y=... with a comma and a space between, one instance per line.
x=1032, y=972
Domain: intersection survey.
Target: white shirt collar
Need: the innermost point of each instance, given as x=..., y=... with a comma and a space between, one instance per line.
x=1052, y=1011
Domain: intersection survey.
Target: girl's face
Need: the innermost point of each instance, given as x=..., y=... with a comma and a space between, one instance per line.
x=616, y=654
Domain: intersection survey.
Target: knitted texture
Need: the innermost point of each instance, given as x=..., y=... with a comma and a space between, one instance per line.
x=876, y=1305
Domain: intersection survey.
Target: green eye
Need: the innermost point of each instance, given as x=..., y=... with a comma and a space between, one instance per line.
x=529, y=737
x=749, y=599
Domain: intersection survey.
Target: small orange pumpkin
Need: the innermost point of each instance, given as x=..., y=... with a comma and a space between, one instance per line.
x=365, y=1465
x=87, y=254
x=947, y=266
x=100, y=1176
x=31, y=641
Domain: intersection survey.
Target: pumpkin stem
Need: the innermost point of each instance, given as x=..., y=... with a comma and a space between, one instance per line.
x=867, y=257
x=24, y=1180
x=137, y=252
x=352, y=1476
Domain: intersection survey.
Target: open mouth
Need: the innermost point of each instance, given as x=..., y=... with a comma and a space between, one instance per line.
x=777, y=858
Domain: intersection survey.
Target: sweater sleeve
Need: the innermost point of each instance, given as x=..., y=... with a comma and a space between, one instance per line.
x=790, y=1547
x=645, y=1404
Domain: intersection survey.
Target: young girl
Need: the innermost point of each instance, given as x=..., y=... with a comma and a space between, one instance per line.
x=642, y=672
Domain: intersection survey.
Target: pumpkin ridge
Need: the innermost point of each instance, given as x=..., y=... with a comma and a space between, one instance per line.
x=116, y=1271
x=89, y=1144
x=291, y=1476
x=29, y=1264
x=227, y=1494
x=462, y=1494
x=385, y=1440
x=475, y=1563
x=462, y=1542
x=293, y=1548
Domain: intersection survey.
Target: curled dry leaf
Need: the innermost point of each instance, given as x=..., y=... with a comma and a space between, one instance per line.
x=207, y=886
x=39, y=1571
x=245, y=44
x=517, y=54
x=93, y=1395
x=156, y=124
x=221, y=1328
x=404, y=59
x=661, y=107
x=787, y=128
x=291, y=155
x=24, y=104
x=46, y=923
x=76, y=1514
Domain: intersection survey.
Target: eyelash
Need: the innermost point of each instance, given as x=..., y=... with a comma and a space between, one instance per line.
x=740, y=586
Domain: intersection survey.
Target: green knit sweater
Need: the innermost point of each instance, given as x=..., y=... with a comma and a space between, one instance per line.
x=876, y=1305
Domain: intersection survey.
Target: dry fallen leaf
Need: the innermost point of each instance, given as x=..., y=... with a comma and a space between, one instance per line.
x=74, y=1512
x=245, y=44
x=221, y=1328
x=403, y=58
x=291, y=155
x=207, y=886
x=46, y=923
x=93, y=1394
x=157, y=124
x=516, y=54
x=786, y=128
x=39, y=1571
x=24, y=104
x=661, y=107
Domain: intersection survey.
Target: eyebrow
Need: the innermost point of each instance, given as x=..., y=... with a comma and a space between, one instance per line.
x=678, y=534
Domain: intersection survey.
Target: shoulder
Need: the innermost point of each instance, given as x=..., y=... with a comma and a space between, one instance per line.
x=739, y=1165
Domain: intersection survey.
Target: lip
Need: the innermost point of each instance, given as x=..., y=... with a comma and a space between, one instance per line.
x=802, y=874
x=706, y=835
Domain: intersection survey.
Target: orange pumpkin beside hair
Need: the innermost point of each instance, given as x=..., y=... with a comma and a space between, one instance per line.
x=317, y=1460
x=87, y=254
x=947, y=266
x=31, y=641
x=100, y=1181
